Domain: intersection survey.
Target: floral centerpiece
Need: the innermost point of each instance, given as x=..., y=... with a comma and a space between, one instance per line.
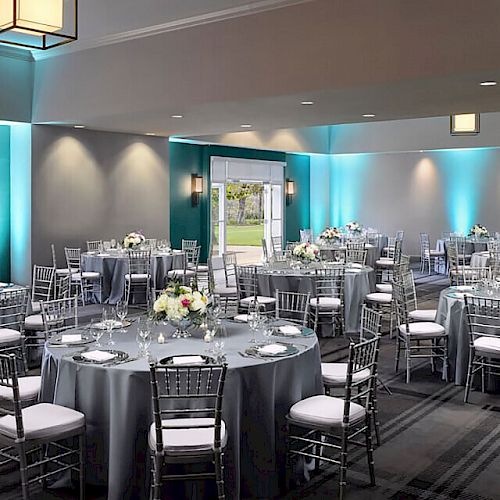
x=354, y=227
x=479, y=231
x=182, y=306
x=133, y=240
x=330, y=234
x=306, y=252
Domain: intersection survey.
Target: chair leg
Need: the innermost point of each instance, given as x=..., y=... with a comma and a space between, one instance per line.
x=81, y=456
x=445, y=359
x=376, y=423
x=219, y=475
x=23, y=469
x=369, y=450
x=43, y=466
x=482, y=376
x=157, y=476
x=343, y=464
x=408, y=360
x=398, y=354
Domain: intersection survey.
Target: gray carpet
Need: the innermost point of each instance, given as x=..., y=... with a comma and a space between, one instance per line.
x=433, y=445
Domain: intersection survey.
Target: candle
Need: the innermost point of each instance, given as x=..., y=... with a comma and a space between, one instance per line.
x=161, y=338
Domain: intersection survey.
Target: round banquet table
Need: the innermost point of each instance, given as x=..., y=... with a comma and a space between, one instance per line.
x=372, y=252
x=358, y=283
x=480, y=259
x=114, y=265
x=116, y=401
x=471, y=245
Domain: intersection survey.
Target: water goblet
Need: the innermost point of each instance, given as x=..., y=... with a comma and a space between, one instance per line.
x=96, y=332
x=108, y=320
x=143, y=340
x=121, y=309
x=267, y=329
x=253, y=324
x=220, y=339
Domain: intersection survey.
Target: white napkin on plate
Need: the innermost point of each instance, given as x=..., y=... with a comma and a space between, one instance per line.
x=241, y=317
x=67, y=339
x=464, y=288
x=272, y=349
x=187, y=360
x=98, y=355
x=289, y=330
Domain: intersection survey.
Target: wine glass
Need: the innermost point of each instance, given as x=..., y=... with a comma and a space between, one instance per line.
x=220, y=339
x=267, y=329
x=216, y=308
x=121, y=309
x=108, y=321
x=253, y=324
x=96, y=332
x=143, y=339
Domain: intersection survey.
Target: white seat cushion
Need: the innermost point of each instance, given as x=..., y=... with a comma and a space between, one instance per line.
x=383, y=287
x=181, y=272
x=324, y=411
x=202, y=268
x=336, y=374
x=187, y=440
x=423, y=315
x=36, y=307
x=137, y=277
x=488, y=344
x=225, y=291
x=42, y=421
x=379, y=297
x=437, y=253
x=9, y=335
x=424, y=329
x=63, y=271
x=33, y=322
x=385, y=262
x=326, y=303
x=260, y=299
x=29, y=387
x=86, y=275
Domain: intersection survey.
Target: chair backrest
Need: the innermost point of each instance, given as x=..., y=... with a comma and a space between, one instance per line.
x=329, y=282
x=371, y=323
x=193, y=256
x=493, y=246
x=276, y=244
x=363, y=356
x=400, y=235
x=42, y=287
x=472, y=275
x=246, y=281
x=402, y=299
x=230, y=262
x=9, y=380
x=189, y=244
x=292, y=306
x=402, y=266
x=407, y=280
x=53, y=252
x=355, y=244
x=425, y=246
x=63, y=287
x=73, y=259
x=373, y=237
x=355, y=256
x=151, y=243
x=139, y=261
x=306, y=235
x=13, y=305
x=483, y=317
x=94, y=246
x=59, y=315
x=188, y=392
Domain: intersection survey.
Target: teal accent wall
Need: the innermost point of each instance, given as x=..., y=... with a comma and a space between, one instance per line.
x=4, y=203
x=191, y=222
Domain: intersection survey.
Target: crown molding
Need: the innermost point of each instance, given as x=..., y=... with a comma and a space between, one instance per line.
x=211, y=17
x=16, y=53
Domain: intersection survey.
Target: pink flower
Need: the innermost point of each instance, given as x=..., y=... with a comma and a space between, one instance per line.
x=185, y=302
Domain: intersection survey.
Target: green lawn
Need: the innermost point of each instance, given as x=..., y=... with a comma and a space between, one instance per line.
x=249, y=236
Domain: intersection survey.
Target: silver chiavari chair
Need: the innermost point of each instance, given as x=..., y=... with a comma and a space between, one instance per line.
x=138, y=278
x=402, y=266
x=63, y=287
x=150, y=243
x=414, y=312
x=483, y=319
x=227, y=290
x=86, y=282
x=248, y=290
x=58, y=316
x=325, y=427
x=187, y=414
x=185, y=275
x=420, y=339
x=276, y=245
x=13, y=305
x=306, y=236
x=335, y=374
x=188, y=244
x=94, y=246
x=355, y=256
x=327, y=307
x=230, y=262
x=293, y=307
x=41, y=429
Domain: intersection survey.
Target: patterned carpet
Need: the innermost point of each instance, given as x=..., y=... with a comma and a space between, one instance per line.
x=433, y=447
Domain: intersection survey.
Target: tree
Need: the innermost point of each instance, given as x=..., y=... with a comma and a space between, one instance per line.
x=240, y=192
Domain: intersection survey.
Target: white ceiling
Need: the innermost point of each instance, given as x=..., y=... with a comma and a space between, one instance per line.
x=398, y=59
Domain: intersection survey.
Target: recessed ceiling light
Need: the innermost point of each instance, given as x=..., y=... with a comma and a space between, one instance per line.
x=177, y=116
x=368, y=115
x=150, y=133
x=246, y=125
x=307, y=103
x=488, y=83
x=78, y=126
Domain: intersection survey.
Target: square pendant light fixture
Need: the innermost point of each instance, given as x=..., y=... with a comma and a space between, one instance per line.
x=464, y=124
x=38, y=24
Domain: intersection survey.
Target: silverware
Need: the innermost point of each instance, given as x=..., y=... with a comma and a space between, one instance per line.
x=122, y=362
x=248, y=355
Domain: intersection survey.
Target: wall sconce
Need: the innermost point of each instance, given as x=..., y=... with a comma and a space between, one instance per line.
x=196, y=189
x=289, y=190
x=464, y=124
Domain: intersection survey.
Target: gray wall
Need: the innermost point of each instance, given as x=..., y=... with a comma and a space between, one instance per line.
x=95, y=185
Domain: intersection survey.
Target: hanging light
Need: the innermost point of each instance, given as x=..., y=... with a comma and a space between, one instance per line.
x=38, y=24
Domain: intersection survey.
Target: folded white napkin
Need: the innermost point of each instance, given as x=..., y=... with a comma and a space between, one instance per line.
x=353, y=270
x=289, y=330
x=187, y=360
x=98, y=355
x=103, y=254
x=67, y=339
x=272, y=349
x=464, y=288
x=241, y=317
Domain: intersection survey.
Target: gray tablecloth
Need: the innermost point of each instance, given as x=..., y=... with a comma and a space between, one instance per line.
x=113, y=268
x=471, y=245
x=116, y=402
x=480, y=259
x=357, y=285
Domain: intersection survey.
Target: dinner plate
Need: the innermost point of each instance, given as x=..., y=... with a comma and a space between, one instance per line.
x=119, y=356
x=304, y=332
x=169, y=360
x=58, y=340
x=242, y=318
x=256, y=350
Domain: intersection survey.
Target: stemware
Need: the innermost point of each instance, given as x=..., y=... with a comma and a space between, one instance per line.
x=253, y=324
x=143, y=339
x=108, y=321
x=220, y=339
x=95, y=332
x=267, y=329
x=121, y=309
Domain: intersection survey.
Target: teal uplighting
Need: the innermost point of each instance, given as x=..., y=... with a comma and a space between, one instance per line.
x=4, y=203
x=464, y=172
x=346, y=187
x=320, y=195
